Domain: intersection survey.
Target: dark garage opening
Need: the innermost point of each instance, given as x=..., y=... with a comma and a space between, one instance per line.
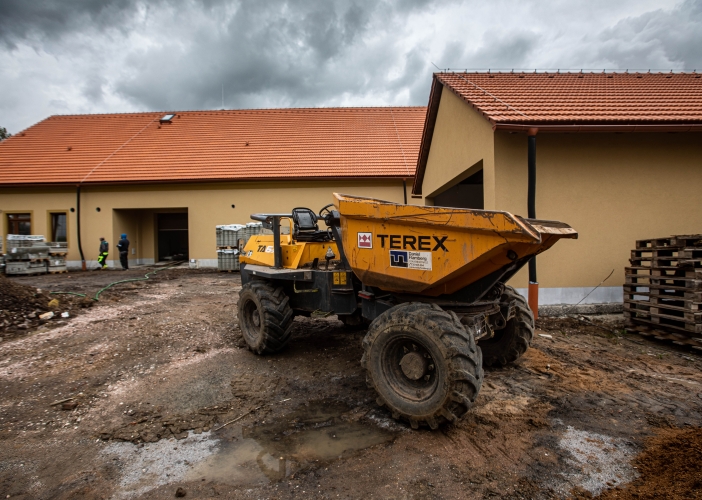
x=172, y=236
x=466, y=194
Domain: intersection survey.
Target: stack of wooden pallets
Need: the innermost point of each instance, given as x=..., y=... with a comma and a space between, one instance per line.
x=663, y=290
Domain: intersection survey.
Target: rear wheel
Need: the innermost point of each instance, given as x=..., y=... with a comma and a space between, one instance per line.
x=265, y=317
x=423, y=364
x=510, y=343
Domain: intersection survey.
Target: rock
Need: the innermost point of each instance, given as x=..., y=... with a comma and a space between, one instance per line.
x=69, y=405
x=180, y=492
x=46, y=315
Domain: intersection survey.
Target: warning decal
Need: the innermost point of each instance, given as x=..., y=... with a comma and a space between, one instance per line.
x=410, y=260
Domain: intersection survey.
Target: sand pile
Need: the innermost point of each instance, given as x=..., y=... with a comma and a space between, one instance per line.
x=670, y=467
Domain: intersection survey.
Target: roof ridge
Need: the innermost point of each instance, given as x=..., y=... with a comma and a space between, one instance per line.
x=636, y=71
x=236, y=111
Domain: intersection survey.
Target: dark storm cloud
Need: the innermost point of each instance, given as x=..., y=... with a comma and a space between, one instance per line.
x=82, y=56
x=46, y=20
x=279, y=53
x=506, y=51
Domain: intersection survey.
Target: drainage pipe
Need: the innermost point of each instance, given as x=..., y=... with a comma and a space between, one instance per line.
x=80, y=247
x=531, y=209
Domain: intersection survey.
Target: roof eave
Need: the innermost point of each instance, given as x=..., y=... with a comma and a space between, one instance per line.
x=199, y=181
x=427, y=134
x=600, y=127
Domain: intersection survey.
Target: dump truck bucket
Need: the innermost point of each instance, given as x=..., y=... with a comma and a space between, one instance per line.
x=437, y=250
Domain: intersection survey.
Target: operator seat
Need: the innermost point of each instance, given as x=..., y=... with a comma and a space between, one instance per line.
x=305, y=226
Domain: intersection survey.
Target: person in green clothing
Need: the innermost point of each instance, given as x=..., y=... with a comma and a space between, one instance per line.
x=104, y=250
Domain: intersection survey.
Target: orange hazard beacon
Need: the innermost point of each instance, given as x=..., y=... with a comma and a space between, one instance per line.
x=429, y=284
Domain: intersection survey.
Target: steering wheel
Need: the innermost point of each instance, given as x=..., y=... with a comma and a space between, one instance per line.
x=325, y=209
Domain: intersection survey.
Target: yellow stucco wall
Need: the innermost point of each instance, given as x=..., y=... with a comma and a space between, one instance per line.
x=462, y=143
x=131, y=209
x=612, y=188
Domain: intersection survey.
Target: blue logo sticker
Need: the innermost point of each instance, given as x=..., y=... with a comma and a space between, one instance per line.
x=398, y=258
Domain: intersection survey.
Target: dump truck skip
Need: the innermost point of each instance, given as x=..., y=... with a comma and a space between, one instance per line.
x=429, y=283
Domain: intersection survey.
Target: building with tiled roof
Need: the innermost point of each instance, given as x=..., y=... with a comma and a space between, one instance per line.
x=616, y=155
x=167, y=179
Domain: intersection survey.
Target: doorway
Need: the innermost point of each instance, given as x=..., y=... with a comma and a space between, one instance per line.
x=172, y=229
x=466, y=194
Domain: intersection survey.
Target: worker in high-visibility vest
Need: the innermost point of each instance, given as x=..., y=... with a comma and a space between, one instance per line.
x=104, y=250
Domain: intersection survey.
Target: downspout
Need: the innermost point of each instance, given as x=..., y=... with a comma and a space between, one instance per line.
x=404, y=189
x=80, y=247
x=531, y=210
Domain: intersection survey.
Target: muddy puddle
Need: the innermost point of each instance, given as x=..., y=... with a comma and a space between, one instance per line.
x=307, y=438
x=312, y=435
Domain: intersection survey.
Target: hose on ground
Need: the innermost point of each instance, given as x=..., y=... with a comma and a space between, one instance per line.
x=97, y=295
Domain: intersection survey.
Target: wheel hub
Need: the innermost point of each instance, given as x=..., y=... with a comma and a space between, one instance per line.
x=413, y=365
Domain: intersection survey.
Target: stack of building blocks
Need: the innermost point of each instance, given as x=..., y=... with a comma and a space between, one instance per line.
x=26, y=254
x=663, y=289
x=57, y=257
x=231, y=239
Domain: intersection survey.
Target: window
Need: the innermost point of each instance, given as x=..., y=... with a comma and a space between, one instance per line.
x=58, y=226
x=19, y=223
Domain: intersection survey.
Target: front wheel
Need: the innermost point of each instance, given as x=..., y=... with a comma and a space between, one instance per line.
x=265, y=317
x=423, y=364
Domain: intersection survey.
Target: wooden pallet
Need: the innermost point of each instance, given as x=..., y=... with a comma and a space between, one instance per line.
x=689, y=240
x=671, y=306
x=667, y=311
x=58, y=272
x=667, y=321
x=676, y=338
x=650, y=290
x=664, y=271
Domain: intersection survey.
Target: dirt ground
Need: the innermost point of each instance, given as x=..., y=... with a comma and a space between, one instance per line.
x=129, y=399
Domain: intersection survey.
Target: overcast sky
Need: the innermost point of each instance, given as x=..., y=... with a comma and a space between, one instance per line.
x=94, y=56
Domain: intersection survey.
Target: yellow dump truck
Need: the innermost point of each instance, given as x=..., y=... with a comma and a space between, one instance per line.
x=429, y=282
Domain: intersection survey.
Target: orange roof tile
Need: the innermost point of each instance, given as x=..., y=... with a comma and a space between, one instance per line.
x=216, y=145
x=580, y=98
x=570, y=102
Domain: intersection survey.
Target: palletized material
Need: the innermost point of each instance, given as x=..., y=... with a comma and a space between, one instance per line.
x=57, y=264
x=228, y=235
x=25, y=267
x=230, y=239
x=228, y=260
x=23, y=240
x=57, y=247
x=663, y=289
x=26, y=254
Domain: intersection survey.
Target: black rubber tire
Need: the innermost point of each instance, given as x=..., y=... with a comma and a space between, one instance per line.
x=511, y=342
x=265, y=317
x=453, y=364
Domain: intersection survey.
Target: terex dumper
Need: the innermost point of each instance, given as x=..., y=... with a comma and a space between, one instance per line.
x=429, y=282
